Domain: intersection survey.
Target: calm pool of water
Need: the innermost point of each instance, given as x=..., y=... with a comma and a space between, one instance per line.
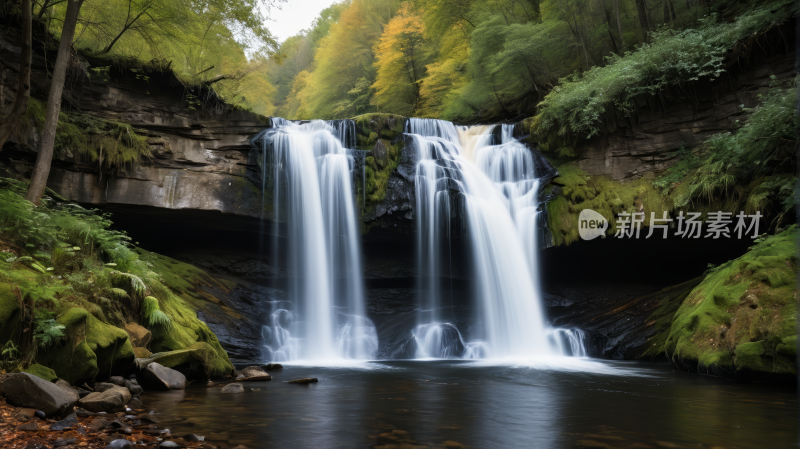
x=587, y=403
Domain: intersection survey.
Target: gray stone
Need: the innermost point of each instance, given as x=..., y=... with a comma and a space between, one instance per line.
x=133, y=387
x=254, y=373
x=380, y=154
x=169, y=444
x=192, y=438
x=100, y=387
x=66, y=423
x=60, y=442
x=64, y=385
x=120, y=444
x=29, y=427
x=160, y=377
x=111, y=400
x=117, y=380
x=232, y=388
x=27, y=390
x=306, y=380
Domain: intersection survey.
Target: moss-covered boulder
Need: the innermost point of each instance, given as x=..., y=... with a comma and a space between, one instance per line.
x=374, y=126
x=9, y=314
x=184, y=296
x=42, y=372
x=197, y=361
x=741, y=320
x=92, y=348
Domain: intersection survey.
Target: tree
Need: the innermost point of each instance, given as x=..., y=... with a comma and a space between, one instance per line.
x=345, y=57
x=619, y=26
x=144, y=17
x=399, y=59
x=41, y=169
x=24, y=78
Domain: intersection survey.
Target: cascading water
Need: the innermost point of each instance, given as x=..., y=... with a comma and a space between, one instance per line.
x=494, y=190
x=311, y=176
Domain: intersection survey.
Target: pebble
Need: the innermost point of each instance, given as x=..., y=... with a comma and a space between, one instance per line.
x=62, y=442
x=307, y=380
x=66, y=423
x=39, y=414
x=232, y=388
x=120, y=444
x=28, y=427
x=169, y=444
x=192, y=438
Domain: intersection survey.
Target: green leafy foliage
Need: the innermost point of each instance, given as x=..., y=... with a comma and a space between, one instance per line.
x=578, y=105
x=751, y=165
x=152, y=314
x=47, y=332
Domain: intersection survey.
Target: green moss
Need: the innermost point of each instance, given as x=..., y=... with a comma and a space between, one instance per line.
x=374, y=126
x=199, y=360
x=181, y=292
x=92, y=138
x=742, y=316
x=73, y=360
x=376, y=177
x=92, y=300
x=42, y=371
x=111, y=345
x=601, y=194
x=669, y=300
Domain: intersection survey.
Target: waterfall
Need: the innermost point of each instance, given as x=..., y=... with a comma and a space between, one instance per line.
x=310, y=171
x=494, y=190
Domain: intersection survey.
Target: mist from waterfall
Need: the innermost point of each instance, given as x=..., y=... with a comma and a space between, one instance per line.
x=307, y=171
x=492, y=187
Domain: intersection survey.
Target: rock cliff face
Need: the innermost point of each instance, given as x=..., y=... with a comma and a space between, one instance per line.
x=682, y=117
x=199, y=154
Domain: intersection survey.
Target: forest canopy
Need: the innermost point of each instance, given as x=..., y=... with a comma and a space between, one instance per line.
x=485, y=59
x=566, y=61
x=226, y=43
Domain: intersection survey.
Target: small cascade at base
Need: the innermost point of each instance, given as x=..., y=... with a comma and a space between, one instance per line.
x=492, y=188
x=310, y=173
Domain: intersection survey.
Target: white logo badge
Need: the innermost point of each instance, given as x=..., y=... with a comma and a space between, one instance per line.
x=591, y=225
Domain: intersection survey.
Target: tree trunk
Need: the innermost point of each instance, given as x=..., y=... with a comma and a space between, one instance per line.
x=607, y=23
x=42, y=168
x=24, y=81
x=649, y=13
x=640, y=8
x=619, y=26
x=672, y=14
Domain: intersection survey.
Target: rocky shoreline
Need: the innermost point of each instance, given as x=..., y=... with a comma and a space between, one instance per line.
x=37, y=413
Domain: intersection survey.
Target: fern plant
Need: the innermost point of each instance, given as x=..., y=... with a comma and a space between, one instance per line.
x=152, y=313
x=137, y=285
x=47, y=332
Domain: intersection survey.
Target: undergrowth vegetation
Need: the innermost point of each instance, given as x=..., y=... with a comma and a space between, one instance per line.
x=579, y=104
x=748, y=170
x=741, y=319
x=112, y=145
x=70, y=281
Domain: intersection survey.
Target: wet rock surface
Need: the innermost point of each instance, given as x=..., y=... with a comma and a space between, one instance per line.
x=620, y=321
x=110, y=400
x=160, y=377
x=234, y=388
x=26, y=390
x=305, y=380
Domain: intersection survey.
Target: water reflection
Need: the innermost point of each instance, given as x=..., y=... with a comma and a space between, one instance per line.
x=426, y=403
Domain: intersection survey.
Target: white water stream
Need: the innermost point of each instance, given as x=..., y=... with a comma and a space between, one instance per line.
x=312, y=194
x=495, y=191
